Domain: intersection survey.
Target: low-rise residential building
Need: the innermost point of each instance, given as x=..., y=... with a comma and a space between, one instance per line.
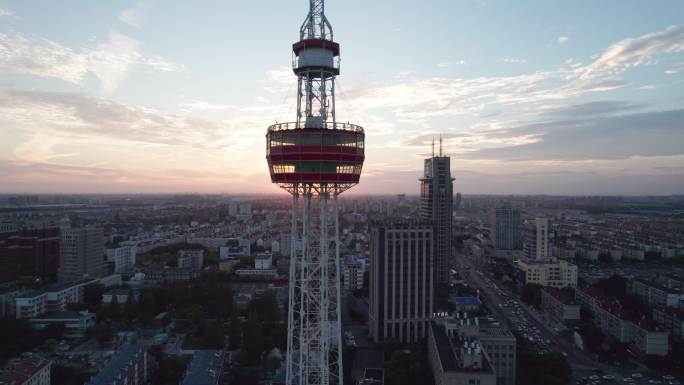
x=8, y=307
x=128, y=366
x=28, y=371
x=75, y=322
x=263, y=267
x=552, y=272
x=559, y=305
x=235, y=248
x=670, y=319
x=655, y=293
x=205, y=368
x=170, y=274
x=121, y=296
x=191, y=259
x=50, y=299
x=263, y=261
x=618, y=323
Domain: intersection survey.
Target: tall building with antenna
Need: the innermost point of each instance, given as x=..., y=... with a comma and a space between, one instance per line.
x=437, y=206
x=315, y=159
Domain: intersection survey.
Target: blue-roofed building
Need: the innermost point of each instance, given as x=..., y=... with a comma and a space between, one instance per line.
x=128, y=366
x=205, y=368
x=469, y=303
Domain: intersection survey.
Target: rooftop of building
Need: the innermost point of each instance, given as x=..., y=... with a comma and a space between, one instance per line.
x=560, y=295
x=657, y=285
x=55, y=288
x=68, y=314
x=21, y=371
x=447, y=357
x=119, y=361
x=675, y=312
x=469, y=300
x=205, y=368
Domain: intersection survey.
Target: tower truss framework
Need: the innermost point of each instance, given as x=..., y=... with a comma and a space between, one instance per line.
x=315, y=159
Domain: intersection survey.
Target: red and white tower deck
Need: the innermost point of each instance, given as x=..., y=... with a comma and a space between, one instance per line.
x=315, y=159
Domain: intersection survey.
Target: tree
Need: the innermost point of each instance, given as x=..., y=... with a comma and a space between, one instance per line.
x=130, y=308
x=92, y=294
x=147, y=307
x=531, y=294
x=102, y=332
x=252, y=342
x=114, y=310
x=213, y=335
x=235, y=333
x=615, y=286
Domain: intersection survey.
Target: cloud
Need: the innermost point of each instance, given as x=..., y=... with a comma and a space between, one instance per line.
x=282, y=75
x=445, y=64
x=134, y=16
x=4, y=12
x=590, y=108
x=614, y=137
x=200, y=105
x=110, y=61
x=516, y=61
x=647, y=87
x=79, y=115
x=563, y=39
x=415, y=100
x=633, y=52
x=426, y=139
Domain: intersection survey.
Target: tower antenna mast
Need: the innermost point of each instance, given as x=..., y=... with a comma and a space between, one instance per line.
x=315, y=159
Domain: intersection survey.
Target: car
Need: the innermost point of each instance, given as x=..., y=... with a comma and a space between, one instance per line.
x=654, y=382
x=628, y=380
x=637, y=375
x=668, y=377
x=609, y=377
x=594, y=377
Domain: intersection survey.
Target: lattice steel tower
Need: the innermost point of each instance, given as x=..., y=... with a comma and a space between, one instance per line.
x=315, y=158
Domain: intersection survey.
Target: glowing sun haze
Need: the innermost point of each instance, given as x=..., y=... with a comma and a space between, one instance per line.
x=578, y=97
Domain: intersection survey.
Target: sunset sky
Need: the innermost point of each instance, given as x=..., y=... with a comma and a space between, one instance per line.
x=554, y=97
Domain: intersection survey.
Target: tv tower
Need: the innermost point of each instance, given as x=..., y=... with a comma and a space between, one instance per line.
x=315, y=159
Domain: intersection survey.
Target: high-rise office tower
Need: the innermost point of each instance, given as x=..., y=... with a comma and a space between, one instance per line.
x=81, y=253
x=437, y=206
x=401, y=282
x=505, y=228
x=542, y=239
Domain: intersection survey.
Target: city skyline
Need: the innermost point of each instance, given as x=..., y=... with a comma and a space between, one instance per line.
x=156, y=97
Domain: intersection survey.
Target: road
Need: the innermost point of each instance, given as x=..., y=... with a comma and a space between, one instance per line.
x=527, y=322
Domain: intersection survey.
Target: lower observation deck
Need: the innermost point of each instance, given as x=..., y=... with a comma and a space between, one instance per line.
x=326, y=157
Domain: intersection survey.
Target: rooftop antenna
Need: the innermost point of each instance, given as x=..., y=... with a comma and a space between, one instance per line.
x=433, y=146
x=440, y=144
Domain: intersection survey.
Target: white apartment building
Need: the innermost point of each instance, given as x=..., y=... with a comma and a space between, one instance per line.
x=123, y=257
x=52, y=299
x=552, y=272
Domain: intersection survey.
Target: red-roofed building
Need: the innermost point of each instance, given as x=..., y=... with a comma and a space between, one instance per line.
x=609, y=316
x=557, y=304
x=29, y=371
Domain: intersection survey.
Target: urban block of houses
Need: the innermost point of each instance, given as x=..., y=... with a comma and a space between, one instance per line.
x=559, y=305
x=609, y=316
